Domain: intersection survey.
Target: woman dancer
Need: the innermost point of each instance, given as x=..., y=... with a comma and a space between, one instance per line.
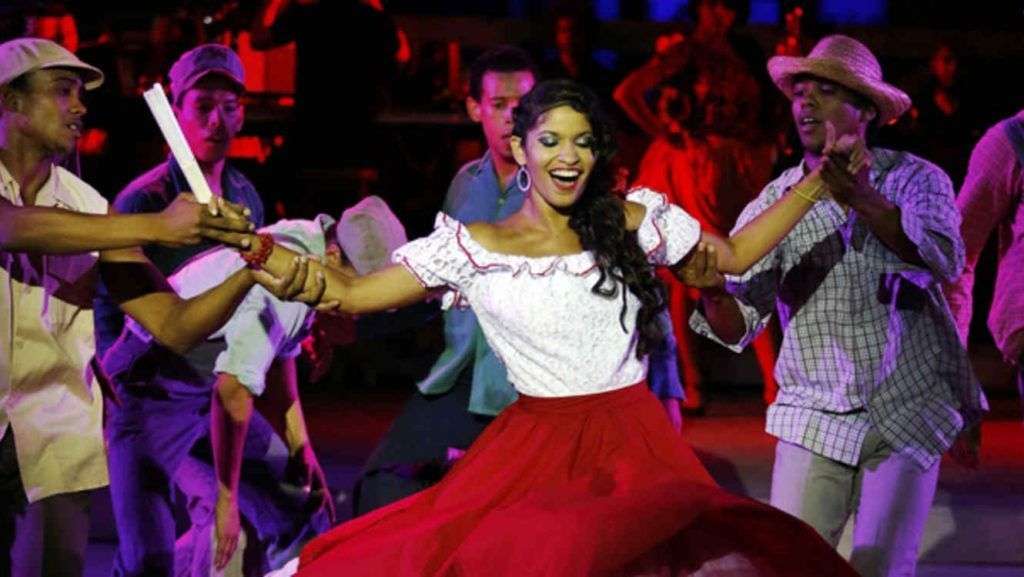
x=583, y=475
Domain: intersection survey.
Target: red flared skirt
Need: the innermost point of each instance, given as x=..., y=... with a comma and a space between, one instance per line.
x=589, y=486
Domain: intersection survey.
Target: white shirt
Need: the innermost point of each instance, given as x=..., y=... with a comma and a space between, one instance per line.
x=554, y=335
x=47, y=393
x=262, y=328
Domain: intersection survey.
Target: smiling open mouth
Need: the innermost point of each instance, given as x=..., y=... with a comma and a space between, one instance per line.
x=566, y=176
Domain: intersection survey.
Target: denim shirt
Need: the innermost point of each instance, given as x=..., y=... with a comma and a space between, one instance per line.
x=153, y=192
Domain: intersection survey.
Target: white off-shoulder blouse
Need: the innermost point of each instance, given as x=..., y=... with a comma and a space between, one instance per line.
x=555, y=336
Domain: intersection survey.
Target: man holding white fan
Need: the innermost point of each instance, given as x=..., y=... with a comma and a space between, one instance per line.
x=56, y=233
x=206, y=84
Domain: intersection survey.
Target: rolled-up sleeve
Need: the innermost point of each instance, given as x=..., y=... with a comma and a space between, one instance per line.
x=755, y=291
x=930, y=220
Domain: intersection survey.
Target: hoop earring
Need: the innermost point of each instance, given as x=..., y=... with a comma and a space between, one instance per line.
x=523, y=180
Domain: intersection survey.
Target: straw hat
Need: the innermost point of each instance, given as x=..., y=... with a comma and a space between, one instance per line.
x=846, y=61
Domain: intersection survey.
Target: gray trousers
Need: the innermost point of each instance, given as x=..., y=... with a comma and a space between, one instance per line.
x=888, y=494
x=42, y=539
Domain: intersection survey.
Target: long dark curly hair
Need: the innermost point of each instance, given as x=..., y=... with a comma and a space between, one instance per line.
x=598, y=217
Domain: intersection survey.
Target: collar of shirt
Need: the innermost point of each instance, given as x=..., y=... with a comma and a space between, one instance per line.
x=51, y=194
x=485, y=177
x=477, y=198
x=11, y=190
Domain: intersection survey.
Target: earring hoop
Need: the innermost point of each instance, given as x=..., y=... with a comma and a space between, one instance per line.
x=523, y=180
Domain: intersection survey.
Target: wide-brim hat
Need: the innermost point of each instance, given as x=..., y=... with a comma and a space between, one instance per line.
x=23, y=55
x=845, y=61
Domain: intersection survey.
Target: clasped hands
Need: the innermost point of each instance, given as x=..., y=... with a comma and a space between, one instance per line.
x=187, y=222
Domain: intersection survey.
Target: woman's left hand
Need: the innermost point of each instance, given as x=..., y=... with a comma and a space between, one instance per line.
x=700, y=268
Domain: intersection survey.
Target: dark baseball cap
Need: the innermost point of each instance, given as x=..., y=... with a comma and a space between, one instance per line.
x=202, y=61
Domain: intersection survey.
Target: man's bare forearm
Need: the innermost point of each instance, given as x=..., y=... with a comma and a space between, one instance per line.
x=280, y=406
x=58, y=231
x=230, y=413
x=178, y=324
x=883, y=218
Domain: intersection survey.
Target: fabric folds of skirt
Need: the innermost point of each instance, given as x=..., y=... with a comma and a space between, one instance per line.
x=588, y=486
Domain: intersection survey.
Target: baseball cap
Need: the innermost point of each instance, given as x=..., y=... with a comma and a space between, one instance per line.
x=203, y=60
x=368, y=233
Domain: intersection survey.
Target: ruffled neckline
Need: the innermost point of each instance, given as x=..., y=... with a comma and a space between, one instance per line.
x=484, y=260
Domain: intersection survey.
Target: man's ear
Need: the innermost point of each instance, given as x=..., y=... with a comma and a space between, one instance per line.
x=516, y=143
x=9, y=100
x=473, y=109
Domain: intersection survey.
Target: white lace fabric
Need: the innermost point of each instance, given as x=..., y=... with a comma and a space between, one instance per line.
x=554, y=335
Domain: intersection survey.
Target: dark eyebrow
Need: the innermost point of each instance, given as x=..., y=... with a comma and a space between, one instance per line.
x=210, y=99
x=559, y=135
x=67, y=81
x=61, y=75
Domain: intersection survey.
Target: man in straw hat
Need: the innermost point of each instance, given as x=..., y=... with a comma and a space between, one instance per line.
x=51, y=448
x=874, y=384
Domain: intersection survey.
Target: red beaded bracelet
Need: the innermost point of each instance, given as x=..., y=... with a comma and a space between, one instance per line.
x=255, y=258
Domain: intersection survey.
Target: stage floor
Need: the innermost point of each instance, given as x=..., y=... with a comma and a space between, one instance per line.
x=975, y=528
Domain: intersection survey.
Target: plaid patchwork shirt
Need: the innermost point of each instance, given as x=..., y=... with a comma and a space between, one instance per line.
x=868, y=340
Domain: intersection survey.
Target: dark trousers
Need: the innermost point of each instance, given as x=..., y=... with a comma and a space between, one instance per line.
x=412, y=454
x=42, y=539
x=142, y=487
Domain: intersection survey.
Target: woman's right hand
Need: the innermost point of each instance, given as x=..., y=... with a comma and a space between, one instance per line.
x=298, y=283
